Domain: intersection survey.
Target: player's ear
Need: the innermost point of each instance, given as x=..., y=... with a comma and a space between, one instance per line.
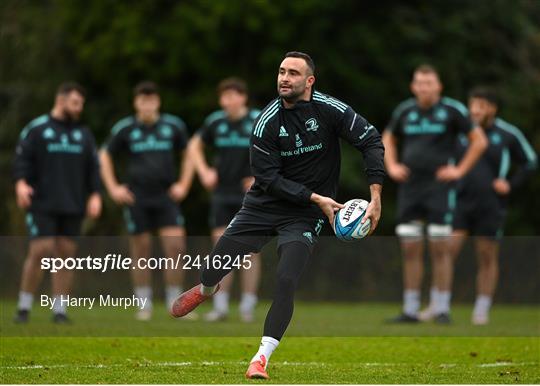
x=310, y=80
x=59, y=100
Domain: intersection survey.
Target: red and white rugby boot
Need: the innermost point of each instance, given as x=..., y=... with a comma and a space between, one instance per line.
x=189, y=300
x=256, y=369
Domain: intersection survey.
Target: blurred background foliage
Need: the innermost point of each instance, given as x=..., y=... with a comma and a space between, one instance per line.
x=364, y=52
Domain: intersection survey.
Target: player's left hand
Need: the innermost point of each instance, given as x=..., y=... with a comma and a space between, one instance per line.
x=177, y=192
x=501, y=186
x=247, y=182
x=373, y=213
x=448, y=173
x=93, y=206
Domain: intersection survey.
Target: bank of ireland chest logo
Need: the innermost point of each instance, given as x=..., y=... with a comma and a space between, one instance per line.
x=64, y=139
x=298, y=140
x=76, y=135
x=48, y=133
x=135, y=135
x=312, y=125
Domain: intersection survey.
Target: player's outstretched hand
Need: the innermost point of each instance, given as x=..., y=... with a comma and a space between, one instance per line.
x=93, y=206
x=178, y=192
x=24, y=194
x=327, y=205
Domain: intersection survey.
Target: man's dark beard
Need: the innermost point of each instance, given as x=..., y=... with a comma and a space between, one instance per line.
x=487, y=121
x=69, y=117
x=292, y=98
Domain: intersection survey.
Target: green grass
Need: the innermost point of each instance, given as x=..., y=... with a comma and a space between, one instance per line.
x=326, y=343
x=297, y=360
x=310, y=319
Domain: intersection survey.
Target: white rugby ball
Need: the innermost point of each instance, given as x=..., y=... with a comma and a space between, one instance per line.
x=348, y=221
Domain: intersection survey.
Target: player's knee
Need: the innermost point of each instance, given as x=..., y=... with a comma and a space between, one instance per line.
x=486, y=257
x=410, y=231
x=43, y=250
x=286, y=283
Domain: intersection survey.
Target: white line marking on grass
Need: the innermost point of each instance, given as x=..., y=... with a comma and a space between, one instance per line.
x=501, y=364
x=242, y=363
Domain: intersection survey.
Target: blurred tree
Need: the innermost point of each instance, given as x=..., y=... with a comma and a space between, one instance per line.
x=364, y=52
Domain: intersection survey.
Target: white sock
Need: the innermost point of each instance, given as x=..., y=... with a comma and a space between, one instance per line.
x=248, y=302
x=411, y=302
x=171, y=293
x=442, y=302
x=25, y=301
x=59, y=307
x=482, y=305
x=144, y=292
x=433, y=291
x=267, y=347
x=207, y=291
x=221, y=302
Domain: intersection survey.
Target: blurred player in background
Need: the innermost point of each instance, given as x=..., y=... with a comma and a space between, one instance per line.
x=295, y=158
x=227, y=132
x=427, y=127
x=150, y=198
x=56, y=175
x=483, y=193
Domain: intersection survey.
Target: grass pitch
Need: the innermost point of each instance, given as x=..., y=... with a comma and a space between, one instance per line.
x=108, y=346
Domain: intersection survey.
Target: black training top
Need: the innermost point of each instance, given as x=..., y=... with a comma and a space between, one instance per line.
x=230, y=139
x=59, y=160
x=152, y=153
x=429, y=136
x=296, y=151
x=507, y=146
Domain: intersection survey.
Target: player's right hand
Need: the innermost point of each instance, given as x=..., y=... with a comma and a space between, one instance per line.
x=398, y=172
x=24, y=194
x=122, y=195
x=209, y=178
x=327, y=205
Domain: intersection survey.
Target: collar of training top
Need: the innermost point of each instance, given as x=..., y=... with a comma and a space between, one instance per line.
x=67, y=123
x=430, y=108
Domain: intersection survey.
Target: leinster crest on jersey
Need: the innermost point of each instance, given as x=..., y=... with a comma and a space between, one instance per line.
x=312, y=124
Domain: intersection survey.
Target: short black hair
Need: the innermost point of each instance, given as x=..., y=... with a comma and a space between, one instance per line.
x=232, y=83
x=66, y=87
x=486, y=93
x=302, y=55
x=426, y=69
x=146, y=88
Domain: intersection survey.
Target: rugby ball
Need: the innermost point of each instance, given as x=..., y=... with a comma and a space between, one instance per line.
x=348, y=221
